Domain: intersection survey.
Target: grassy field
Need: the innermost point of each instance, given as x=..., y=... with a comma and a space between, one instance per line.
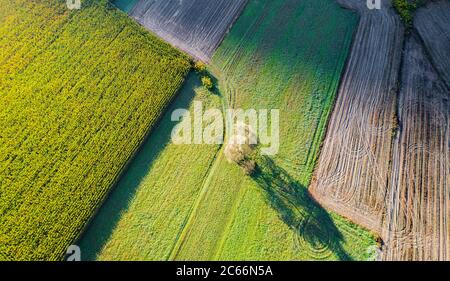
x=285, y=55
x=79, y=91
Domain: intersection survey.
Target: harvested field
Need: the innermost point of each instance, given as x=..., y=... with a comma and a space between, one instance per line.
x=352, y=172
x=195, y=26
x=385, y=159
x=418, y=204
x=433, y=24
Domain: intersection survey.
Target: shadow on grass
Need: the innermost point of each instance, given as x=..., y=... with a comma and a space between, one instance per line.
x=314, y=228
x=105, y=221
x=215, y=82
x=215, y=90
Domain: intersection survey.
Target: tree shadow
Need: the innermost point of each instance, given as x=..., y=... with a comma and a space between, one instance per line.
x=215, y=90
x=312, y=224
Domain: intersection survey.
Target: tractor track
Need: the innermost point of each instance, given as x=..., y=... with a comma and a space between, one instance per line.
x=385, y=159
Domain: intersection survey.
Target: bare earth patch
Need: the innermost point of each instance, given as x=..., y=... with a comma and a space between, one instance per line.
x=433, y=24
x=418, y=201
x=352, y=172
x=195, y=26
x=385, y=159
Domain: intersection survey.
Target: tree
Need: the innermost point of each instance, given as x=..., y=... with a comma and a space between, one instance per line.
x=207, y=82
x=199, y=67
x=239, y=148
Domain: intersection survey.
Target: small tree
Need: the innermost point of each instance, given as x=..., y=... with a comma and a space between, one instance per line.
x=207, y=82
x=239, y=149
x=199, y=67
